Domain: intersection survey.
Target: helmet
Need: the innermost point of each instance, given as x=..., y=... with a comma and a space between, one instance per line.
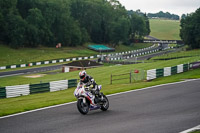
x=82, y=74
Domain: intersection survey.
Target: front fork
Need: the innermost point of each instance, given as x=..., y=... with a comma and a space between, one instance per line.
x=83, y=98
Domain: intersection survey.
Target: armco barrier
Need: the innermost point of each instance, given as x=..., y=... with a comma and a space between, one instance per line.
x=167, y=71
x=58, y=85
x=185, y=67
x=39, y=88
x=173, y=70
x=72, y=83
x=159, y=73
x=2, y=92
x=180, y=68
x=18, y=90
x=151, y=74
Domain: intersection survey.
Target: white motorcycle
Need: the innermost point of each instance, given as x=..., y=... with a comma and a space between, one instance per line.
x=89, y=101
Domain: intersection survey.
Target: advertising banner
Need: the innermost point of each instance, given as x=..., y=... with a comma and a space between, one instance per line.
x=194, y=65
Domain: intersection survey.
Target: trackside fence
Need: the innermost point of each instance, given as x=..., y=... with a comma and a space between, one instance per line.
x=132, y=76
x=22, y=90
x=120, y=77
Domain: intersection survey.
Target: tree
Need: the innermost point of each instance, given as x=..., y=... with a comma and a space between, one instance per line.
x=138, y=27
x=70, y=22
x=190, y=29
x=183, y=16
x=16, y=27
x=36, y=24
x=148, y=30
x=2, y=27
x=120, y=31
x=8, y=7
x=161, y=14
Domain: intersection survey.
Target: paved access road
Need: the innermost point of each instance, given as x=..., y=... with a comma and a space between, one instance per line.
x=163, y=109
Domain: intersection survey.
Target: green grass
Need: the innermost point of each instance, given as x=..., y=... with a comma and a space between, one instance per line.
x=198, y=131
x=10, y=56
x=165, y=29
x=121, y=47
x=191, y=53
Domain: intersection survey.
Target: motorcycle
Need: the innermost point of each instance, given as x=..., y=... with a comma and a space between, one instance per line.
x=87, y=101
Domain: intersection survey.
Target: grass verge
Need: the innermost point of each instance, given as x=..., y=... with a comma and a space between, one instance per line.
x=197, y=131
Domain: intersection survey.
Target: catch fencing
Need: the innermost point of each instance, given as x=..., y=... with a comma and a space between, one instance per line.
x=22, y=90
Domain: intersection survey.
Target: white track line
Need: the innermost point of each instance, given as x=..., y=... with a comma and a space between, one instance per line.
x=11, y=75
x=192, y=129
x=107, y=95
x=37, y=110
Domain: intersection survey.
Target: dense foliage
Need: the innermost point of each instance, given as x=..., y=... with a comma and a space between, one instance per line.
x=190, y=29
x=161, y=14
x=29, y=23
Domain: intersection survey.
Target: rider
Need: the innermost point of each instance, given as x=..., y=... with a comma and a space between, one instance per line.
x=88, y=80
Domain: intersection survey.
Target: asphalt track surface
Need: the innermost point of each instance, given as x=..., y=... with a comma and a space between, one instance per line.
x=30, y=71
x=147, y=57
x=168, y=108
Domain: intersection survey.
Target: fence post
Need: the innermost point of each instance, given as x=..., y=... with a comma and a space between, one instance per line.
x=111, y=79
x=130, y=76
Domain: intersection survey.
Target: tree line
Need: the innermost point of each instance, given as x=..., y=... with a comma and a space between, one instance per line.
x=161, y=14
x=30, y=23
x=190, y=29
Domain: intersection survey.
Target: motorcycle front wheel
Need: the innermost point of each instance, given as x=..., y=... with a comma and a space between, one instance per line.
x=105, y=104
x=83, y=108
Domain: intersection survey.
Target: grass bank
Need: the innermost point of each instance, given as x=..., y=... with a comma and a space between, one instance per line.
x=165, y=29
x=9, y=56
x=179, y=54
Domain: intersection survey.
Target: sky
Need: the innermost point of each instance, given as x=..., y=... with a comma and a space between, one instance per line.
x=177, y=7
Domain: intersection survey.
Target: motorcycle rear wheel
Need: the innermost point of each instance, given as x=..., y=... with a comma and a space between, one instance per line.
x=83, y=108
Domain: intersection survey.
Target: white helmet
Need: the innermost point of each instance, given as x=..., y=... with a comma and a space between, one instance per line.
x=82, y=74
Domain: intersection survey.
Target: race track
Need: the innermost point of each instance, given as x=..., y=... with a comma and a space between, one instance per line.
x=30, y=71
x=163, y=109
